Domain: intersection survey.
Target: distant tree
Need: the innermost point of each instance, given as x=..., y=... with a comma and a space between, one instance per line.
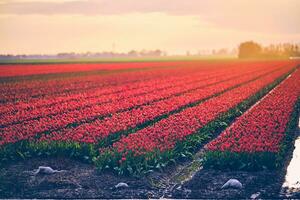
x=157, y=52
x=234, y=51
x=249, y=49
x=222, y=52
x=133, y=53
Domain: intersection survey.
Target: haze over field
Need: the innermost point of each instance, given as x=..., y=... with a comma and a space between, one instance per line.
x=52, y=26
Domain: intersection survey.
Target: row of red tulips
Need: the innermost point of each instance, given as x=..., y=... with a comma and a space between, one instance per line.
x=10, y=70
x=129, y=99
x=33, y=127
x=120, y=122
x=25, y=70
x=260, y=132
x=30, y=90
x=41, y=87
x=153, y=142
x=148, y=118
x=100, y=87
x=23, y=91
x=59, y=105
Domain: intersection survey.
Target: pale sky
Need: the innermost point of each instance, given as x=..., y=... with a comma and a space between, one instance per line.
x=176, y=26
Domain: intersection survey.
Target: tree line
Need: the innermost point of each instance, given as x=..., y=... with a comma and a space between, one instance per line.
x=252, y=49
x=73, y=55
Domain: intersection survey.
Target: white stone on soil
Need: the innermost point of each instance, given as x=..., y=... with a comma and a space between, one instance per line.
x=232, y=183
x=255, y=195
x=46, y=170
x=121, y=185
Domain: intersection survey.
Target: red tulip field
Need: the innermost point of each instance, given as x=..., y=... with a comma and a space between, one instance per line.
x=162, y=119
x=261, y=130
x=149, y=114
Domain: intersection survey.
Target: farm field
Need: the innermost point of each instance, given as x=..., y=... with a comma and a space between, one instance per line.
x=147, y=119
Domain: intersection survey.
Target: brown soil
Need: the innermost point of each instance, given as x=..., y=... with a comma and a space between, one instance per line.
x=267, y=184
x=208, y=183
x=83, y=181
x=79, y=181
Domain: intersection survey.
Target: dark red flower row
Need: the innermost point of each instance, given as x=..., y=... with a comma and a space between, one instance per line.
x=31, y=128
x=99, y=129
x=29, y=90
x=22, y=91
x=262, y=128
x=164, y=135
x=64, y=104
x=23, y=70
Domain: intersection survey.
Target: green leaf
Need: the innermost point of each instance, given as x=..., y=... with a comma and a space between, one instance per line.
x=21, y=154
x=129, y=168
x=158, y=166
x=173, y=161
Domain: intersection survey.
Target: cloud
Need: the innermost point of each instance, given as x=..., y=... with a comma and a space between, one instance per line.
x=249, y=15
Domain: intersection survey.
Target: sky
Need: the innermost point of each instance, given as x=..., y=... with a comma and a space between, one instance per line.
x=175, y=26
